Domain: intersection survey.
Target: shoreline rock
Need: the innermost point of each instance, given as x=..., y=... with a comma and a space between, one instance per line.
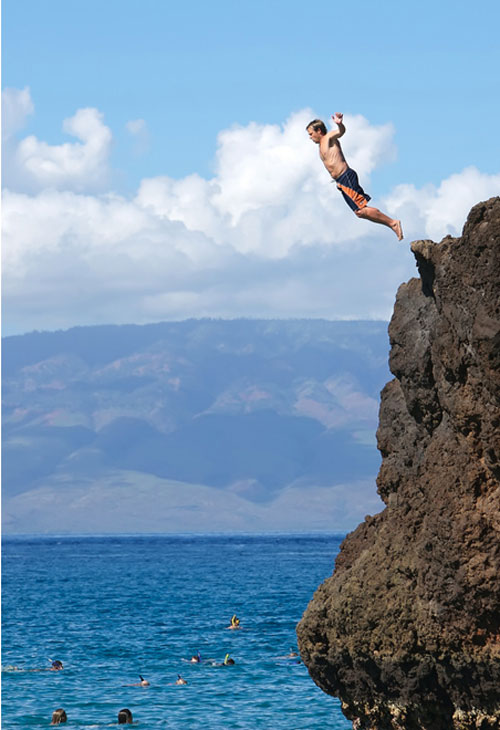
x=407, y=630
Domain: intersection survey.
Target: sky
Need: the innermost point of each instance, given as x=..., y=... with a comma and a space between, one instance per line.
x=156, y=165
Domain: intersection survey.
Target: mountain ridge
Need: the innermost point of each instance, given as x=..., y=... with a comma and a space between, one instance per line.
x=252, y=406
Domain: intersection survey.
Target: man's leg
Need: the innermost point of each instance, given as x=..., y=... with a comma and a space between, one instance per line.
x=376, y=216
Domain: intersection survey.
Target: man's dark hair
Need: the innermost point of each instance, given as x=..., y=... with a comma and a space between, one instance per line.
x=317, y=124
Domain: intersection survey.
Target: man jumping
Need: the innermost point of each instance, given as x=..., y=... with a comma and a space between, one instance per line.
x=333, y=159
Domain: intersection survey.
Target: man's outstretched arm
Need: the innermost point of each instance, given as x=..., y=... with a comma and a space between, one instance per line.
x=336, y=133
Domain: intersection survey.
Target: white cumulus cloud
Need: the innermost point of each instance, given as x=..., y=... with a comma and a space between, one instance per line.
x=267, y=236
x=439, y=211
x=34, y=165
x=269, y=193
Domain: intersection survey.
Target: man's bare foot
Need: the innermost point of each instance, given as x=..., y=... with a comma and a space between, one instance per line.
x=398, y=229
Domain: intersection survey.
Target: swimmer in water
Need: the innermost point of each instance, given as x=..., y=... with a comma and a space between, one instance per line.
x=198, y=659
x=142, y=683
x=55, y=666
x=228, y=662
x=180, y=680
x=235, y=623
x=125, y=717
x=59, y=716
x=288, y=659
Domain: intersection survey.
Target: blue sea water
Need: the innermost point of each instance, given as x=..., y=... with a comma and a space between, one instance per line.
x=114, y=608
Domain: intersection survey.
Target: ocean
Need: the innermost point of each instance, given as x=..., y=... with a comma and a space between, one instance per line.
x=114, y=608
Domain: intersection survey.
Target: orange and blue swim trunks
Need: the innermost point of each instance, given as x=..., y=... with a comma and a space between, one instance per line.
x=353, y=193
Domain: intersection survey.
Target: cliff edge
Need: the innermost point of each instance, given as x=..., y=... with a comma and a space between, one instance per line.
x=406, y=632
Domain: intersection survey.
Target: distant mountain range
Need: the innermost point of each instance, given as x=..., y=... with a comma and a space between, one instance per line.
x=241, y=408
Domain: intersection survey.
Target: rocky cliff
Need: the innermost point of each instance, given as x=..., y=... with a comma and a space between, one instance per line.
x=407, y=630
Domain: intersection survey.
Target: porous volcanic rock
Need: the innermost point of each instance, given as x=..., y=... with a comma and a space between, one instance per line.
x=406, y=632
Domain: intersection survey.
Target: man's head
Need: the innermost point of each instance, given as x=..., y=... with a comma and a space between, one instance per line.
x=316, y=129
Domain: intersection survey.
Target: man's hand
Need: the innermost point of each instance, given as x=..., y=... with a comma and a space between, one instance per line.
x=336, y=134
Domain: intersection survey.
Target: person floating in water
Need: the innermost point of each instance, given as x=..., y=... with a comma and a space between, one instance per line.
x=142, y=683
x=228, y=662
x=333, y=159
x=288, y=659
x=180, y=680
x=59, y=716
x=196, y=658
x=292, y=654
x=235, y=623
x=55, y=666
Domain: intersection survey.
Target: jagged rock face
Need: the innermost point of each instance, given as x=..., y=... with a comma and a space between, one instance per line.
x=407, y=630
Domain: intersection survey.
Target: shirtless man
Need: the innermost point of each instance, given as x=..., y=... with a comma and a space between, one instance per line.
x=333, y=159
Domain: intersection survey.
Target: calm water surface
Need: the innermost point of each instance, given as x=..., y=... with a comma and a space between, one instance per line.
x=112, y=608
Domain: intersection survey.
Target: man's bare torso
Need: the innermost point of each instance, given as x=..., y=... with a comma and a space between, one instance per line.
x=332, y=156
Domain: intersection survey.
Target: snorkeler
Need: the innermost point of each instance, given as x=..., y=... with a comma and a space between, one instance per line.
x=181, y=680
x=228, y=662
x=142, y=683
x=235, y=623
x=55, y=666
x=198, y=659
x=288, y=659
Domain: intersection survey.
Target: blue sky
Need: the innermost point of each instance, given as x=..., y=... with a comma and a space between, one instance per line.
x=192, y=69
x=169, y=80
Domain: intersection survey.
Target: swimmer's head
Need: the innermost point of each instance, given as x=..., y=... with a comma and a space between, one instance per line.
x=56, y=665
x=58, y=716
x=125, y=717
